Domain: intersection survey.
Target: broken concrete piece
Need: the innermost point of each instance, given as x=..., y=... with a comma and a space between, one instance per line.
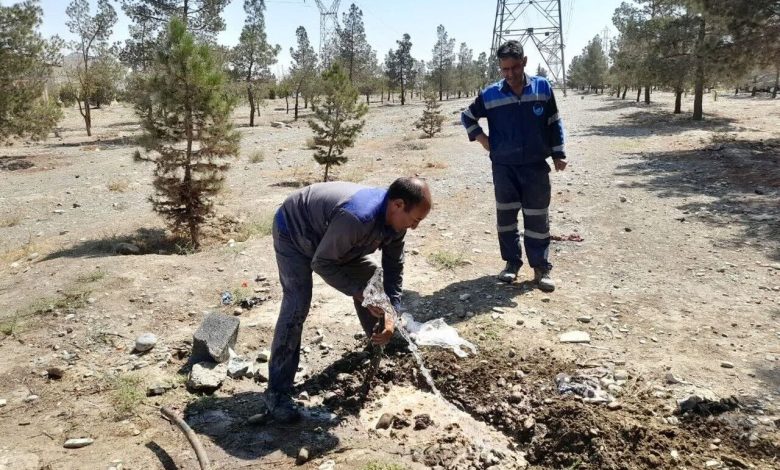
x=214, y=338
x=207, y=376
x=385, y=421
x=575, y=337
x=238, y=367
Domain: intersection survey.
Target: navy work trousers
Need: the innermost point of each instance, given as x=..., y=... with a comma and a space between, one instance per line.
x=295, y=276
x=526, y=188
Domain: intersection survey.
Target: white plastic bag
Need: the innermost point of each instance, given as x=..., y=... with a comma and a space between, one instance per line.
x=436, y=333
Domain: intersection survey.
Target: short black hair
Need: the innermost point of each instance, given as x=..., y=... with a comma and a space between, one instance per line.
x=510, y=50
x=410, y=190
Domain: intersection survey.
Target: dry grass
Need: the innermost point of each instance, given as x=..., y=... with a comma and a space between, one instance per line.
x=258, y=156
x=311, y=144
x=412, y=143
x=117, y=186
x=436, y=165
x=261, y=226
x=126, y=394
x=446, y=259
x=11, y=220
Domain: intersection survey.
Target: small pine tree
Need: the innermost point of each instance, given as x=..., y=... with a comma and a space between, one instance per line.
x=431, y=120
x=186, y=124
x=336, y=122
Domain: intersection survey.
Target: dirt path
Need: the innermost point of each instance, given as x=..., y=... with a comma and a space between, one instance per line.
x=678, y=272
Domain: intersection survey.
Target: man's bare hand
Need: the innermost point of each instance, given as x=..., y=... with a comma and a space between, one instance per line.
x=559, y=163
x=383, y=337
x=483, y=139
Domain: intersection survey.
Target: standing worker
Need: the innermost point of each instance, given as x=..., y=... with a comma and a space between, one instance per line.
x=525, y=129
x=330, y=229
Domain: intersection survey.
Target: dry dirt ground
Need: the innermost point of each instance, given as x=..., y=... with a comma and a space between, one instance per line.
x=669, y=258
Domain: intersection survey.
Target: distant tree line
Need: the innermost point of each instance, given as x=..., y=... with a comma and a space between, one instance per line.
x=684, y=46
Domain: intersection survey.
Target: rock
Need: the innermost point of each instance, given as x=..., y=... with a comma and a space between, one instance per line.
x=207, y=376
x=30, y=398
x=304, y=395
x=623, y=199
x=215, y=336
x=422, y=421
x=614, y=405
x=238, y=311
x=734, y=462
x=157, y=389
x=464, y=296
x=277, y=124
x=726, y=364
x=303, y=456
x=689, y=403
x=260, y=372
x=327, y=465
x=78, y=443
x=712, y=464
x=55, y=373
x=672, y=379
x=575, y=337
x=620, y=374
x=145, y=342
x=259, y=418
x=264, y=355
x=584, y=319
x=238, y=367
x=3, y=402
x=385, y=421
x=127, y=249
x=16, y=459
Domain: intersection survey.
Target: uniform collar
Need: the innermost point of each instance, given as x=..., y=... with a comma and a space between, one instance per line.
x=507, y=89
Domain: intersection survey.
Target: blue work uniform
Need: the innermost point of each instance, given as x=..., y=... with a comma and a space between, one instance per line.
x=523, y=131
x=330, y=229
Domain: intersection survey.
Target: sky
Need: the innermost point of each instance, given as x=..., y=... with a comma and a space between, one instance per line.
x=385, y=22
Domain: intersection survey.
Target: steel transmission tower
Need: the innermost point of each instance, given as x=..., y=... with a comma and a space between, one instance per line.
x=329, y=20
x=539, y=21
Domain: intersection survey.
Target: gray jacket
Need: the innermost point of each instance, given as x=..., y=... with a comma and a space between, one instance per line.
x=336, y=223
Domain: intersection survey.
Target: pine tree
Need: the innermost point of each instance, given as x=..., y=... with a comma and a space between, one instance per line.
x=304, y=65
x=26, y=60
x=93, y=33
x=443, y=58
x=253, y=56
x=336, y=123
x=432, y=119
x=399, y=66
x=188, y=131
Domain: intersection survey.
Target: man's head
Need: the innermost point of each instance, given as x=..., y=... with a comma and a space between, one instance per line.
x=408, y=203
x=511, y=61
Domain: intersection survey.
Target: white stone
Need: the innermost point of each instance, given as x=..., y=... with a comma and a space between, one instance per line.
x=145, y=342
x=78, y=443
x=575, y=336
x=207, y=375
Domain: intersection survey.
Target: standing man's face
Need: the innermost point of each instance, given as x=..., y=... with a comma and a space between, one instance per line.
x=513, y=70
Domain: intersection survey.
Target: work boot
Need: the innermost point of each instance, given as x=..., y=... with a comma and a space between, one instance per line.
x=543, y=279
x=509, y=273
x=281, y=407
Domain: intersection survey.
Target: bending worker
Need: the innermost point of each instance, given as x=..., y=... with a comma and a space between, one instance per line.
x=525, y=129
x=330, y=229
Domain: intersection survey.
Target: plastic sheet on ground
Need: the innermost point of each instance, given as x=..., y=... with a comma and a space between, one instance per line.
x=437, y=333
x=431, y=333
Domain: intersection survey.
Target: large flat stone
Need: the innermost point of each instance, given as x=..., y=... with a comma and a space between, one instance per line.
x=214, y=338
x=207, y=376
x=575, y=337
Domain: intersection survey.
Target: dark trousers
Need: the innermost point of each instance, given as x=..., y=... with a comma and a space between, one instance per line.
x=526, y=188
x=295, y=276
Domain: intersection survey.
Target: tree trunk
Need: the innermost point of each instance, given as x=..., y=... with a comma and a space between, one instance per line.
x=295, y=115
x=698, y=96
x=678, y=100
x=368, y=99
x=647, y=95
x=87, y=117
x=638, y=94
x=327, y=168
x=753, y=91
x=251, y=98
x=736, y=91
x=403, y=94
x=287, y=103
x=777, y=81
x=625, y=90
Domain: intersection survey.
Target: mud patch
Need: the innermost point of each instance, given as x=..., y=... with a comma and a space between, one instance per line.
x=517, y=396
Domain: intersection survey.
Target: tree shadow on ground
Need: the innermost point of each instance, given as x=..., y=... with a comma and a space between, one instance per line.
x=654, y=121
x=614, y=104
x=740, y=178
x=14, y=163
x=164, y=457
x=148, y=241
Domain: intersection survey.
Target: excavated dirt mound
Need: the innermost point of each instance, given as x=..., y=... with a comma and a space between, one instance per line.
x=518, y=396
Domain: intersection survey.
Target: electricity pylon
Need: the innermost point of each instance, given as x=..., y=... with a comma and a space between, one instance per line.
x=329, y=20
x=539, y=21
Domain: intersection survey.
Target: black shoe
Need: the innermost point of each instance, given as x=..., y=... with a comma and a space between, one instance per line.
x=509, y=273
x=282, y=408
x=543, y=280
